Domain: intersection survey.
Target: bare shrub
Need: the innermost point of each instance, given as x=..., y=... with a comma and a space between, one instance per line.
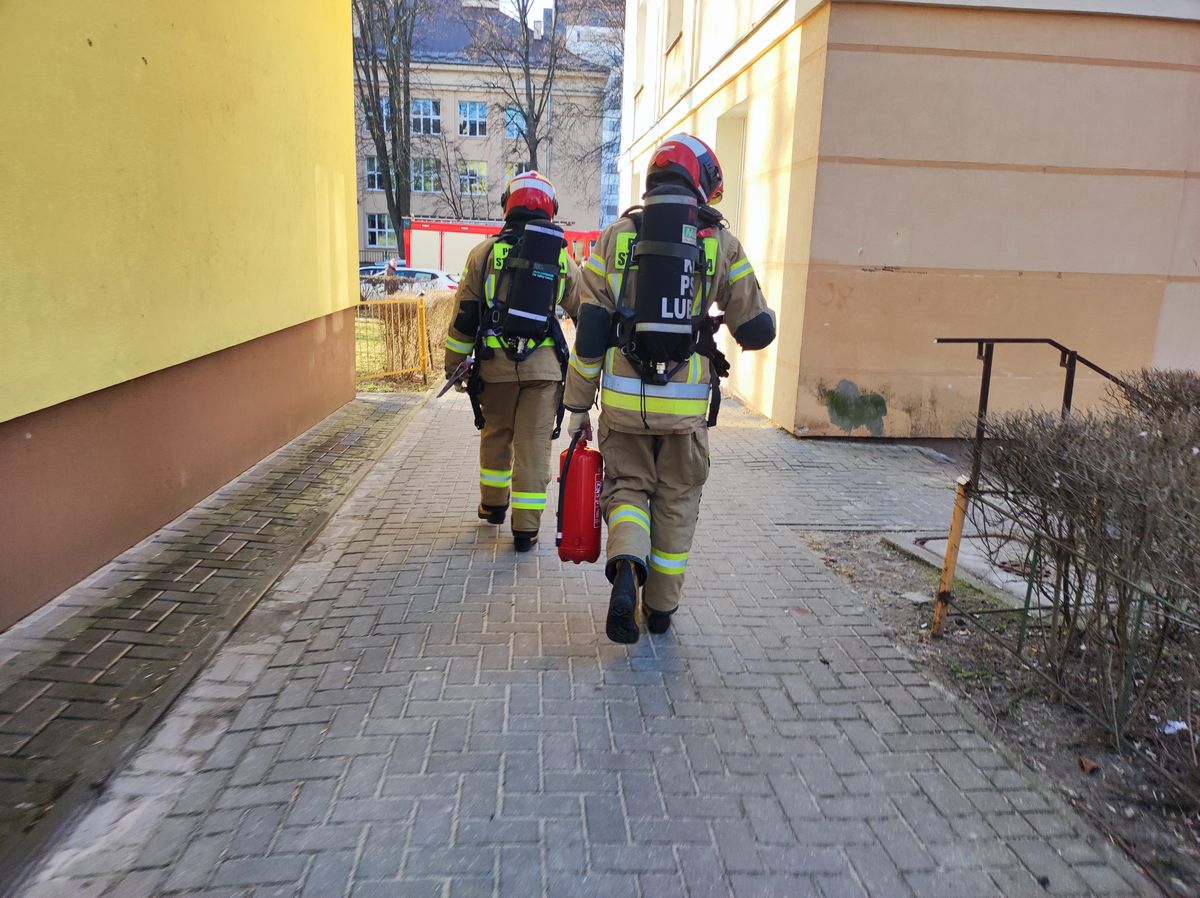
x=1112, y=499
x=396, y=338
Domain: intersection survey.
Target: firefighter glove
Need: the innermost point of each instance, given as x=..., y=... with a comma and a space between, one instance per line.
x=580, y=421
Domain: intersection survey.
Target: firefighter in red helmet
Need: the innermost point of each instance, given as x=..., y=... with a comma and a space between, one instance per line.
x=511, y=287
x=645, y=341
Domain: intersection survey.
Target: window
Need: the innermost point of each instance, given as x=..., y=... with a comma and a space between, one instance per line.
x=674, y=22
x=374, y=177
x=386, y=104
x=512, y=169
x=472, y=118
x=426, y=116
x=472, y=178
x=379, y=230
x=426, y=176
x=514, y=123
x=639, y=60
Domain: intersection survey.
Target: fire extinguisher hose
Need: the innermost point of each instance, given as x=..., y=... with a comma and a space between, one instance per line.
x=562, y=486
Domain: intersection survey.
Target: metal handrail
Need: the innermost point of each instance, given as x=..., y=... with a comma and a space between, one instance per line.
x=1070, y=359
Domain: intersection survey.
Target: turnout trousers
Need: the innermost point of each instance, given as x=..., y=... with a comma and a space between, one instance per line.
x=651, y=501
x=514, y=447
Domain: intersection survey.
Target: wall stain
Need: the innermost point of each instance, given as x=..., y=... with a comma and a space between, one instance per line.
x=850, y=408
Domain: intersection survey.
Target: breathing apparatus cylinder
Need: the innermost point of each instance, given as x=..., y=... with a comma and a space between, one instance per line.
x=667, y=254
x=533, y=282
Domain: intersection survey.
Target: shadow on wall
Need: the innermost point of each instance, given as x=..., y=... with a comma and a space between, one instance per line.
x=850, y=408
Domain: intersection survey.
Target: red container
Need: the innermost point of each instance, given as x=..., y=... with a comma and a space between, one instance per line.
x=579, y=524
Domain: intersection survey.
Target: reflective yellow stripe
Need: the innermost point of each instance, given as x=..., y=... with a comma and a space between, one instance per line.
x=608, y=359
x=490, y=477
x=588, y=371
x=459, y=346
x=739, y=271
x=489, y=288
x=631, y=514
x=496, y=343
x=528, y=500
x=694, y=368
x=653, y=404
x=676, y=389
x=595, y=265
x=668, y=562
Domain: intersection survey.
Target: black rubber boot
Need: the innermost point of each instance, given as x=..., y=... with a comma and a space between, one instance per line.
x=493, y=514
x=622, y=625
x=524, y=540
x=658, y=622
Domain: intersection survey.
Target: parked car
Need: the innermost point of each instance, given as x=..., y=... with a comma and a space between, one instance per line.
x=429, y=279
x=374, y=280
x=369, y=269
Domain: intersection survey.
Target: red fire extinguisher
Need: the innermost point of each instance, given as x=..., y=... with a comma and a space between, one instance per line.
x=581, y=474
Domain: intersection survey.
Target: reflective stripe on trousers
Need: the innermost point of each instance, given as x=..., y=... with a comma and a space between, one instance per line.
x=528, y=500
x=490, y=477
x=629, y=514
x=672, y=563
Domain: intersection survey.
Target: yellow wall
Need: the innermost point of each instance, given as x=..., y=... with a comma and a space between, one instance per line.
x=176, y=178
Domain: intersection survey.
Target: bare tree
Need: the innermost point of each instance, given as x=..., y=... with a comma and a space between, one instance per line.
x=452, y=177
x=383, y=55
x=522, y=68
x=600, y=25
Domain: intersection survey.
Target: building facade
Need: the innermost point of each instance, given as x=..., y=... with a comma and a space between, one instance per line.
x=466, y=139
x=903, y=171
x=177, y=258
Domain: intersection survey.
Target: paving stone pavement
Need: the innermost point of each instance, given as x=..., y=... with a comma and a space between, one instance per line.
x=416, y=710
x=83, y=679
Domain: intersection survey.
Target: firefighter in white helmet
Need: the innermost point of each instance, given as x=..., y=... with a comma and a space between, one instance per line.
x=507, y=299
x=645, y=340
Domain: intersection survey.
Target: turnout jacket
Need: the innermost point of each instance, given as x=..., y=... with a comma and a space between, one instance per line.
x=595, y=364
x=482, y=283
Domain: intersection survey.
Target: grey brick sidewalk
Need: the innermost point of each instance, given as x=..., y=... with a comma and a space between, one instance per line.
x=415, y=710
x=83, y=679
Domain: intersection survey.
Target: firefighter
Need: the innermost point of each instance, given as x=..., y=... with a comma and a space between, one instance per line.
x=507, y=299
x=645, y=341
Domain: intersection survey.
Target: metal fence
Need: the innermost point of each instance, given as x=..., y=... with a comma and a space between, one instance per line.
x=401, y=337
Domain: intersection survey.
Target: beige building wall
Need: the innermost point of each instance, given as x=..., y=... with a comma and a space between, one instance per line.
x=758, y=102
x=570, y=158
x=909, y=171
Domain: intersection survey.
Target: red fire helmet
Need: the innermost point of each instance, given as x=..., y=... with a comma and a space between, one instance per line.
x=692, y=158
x=532, y=191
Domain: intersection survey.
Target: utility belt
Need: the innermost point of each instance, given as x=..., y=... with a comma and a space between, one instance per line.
x=488, y=340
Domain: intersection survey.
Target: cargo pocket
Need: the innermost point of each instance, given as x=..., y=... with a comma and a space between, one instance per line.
x=699, y=460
